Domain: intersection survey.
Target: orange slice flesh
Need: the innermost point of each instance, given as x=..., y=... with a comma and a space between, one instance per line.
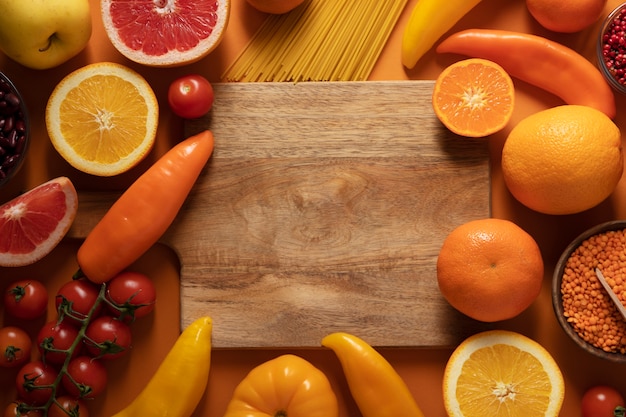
x=474, y=97
x=102, y=118
x=501, y=373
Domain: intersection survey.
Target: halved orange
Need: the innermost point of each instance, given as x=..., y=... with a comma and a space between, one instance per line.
x=33, y=223
x=102, y=118
x=500, y=373
x=474, y=97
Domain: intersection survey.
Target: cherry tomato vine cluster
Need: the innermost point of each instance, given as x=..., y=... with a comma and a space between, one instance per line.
x=91, y=327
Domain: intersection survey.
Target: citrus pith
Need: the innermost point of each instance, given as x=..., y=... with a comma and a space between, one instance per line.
x=102, y=118
x=33, y=223
x=165, y=33
x=501, y=373
x=474, y=97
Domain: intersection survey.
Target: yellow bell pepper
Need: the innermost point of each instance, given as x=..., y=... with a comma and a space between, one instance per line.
x=287, y=386
x=179, y=383
x=429, y=20
x=375, y=385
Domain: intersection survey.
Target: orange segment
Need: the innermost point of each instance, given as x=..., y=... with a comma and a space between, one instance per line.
x=102, y=118
x=500, y=373
x=474, y=97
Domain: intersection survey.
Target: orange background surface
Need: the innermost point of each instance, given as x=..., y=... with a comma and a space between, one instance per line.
x=421, y=368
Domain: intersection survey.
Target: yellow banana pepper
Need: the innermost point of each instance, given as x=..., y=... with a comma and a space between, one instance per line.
x=287, y=386
x=375, y=385
x=181, y=380
x=429, y=20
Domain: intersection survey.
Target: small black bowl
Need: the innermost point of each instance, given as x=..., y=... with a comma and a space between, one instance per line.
x=14, y=130
x=557, y=298
x=615, y=74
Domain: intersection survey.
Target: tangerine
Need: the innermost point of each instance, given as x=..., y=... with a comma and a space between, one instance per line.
x=563, y=160
x=33, y=223
x=474, y=97
x=566, y=16
x=490, y=269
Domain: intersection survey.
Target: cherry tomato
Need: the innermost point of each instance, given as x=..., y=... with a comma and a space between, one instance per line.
x=30, y=379
x=86, y=377
x=15, y=346
x=132, y=293
x=54, y=341
x=17, y=409
x=190, y=96
x=600, y=401
x=26, y=299
x=67, y=406
x=76, y=298
x=107, y=338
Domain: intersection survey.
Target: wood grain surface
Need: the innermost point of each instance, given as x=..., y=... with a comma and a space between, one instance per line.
x=323, y=209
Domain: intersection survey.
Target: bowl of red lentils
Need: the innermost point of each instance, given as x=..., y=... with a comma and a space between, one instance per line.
x=14, y=130
x=582, y=305
x=611, y=48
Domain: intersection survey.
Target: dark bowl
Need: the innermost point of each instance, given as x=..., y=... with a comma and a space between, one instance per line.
x=557, y=295
x=14, y=130
x=612, y=75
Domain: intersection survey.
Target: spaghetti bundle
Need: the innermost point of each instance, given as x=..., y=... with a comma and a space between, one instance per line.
x=321, y=40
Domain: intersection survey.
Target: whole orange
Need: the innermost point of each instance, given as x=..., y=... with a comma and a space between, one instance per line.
x=490, y=269
x=566, y=16
x=275, y=6
x=563, y=160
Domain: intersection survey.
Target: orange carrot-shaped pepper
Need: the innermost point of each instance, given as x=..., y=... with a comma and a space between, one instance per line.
x=144, y=211
x=537, y=61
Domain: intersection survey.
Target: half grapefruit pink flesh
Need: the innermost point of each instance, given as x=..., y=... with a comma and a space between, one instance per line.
x=33, y=224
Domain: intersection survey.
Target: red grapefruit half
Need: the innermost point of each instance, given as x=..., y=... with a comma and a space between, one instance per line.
x=165, y=33
x=33, y=224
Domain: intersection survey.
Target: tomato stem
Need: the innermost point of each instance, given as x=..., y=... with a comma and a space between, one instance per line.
x=65, y=310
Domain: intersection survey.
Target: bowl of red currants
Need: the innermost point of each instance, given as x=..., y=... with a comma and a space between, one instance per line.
x=14, y=130
x=611, y=48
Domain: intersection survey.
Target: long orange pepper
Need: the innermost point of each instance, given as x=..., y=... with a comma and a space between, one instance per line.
x=537, y=61
x=144, y=211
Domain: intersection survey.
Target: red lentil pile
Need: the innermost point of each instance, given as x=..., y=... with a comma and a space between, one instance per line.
x=586, y=305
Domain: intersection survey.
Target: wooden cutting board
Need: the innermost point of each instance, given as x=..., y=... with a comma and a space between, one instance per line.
x=323, y=209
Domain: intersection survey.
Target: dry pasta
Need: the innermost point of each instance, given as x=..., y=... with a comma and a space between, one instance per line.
x=321, y=40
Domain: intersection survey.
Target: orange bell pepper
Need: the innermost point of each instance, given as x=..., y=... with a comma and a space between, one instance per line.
x=375, y=385
x=287, y=386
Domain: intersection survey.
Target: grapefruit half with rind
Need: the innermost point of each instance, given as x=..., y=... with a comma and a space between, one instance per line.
x=165, y=33
x=33, y=223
